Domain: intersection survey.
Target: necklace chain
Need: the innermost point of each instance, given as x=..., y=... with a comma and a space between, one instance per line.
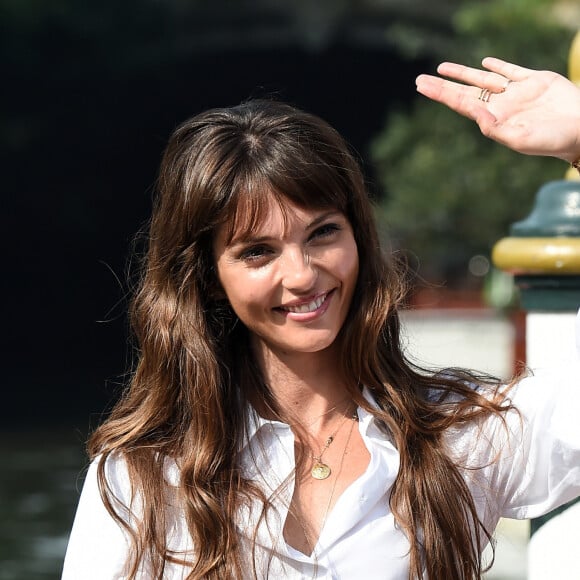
x=320, y=469
x=306, y=533
x=312, y=420
x=327, y=443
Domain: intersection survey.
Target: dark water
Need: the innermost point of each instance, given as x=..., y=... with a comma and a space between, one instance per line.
x=40, y=481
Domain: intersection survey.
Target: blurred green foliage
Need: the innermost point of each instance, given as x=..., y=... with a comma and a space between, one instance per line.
x=449, y=193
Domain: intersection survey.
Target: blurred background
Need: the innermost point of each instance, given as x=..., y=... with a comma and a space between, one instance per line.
x=92, y=92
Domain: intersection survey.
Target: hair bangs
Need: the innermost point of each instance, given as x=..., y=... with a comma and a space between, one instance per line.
x=249, y=201
x=247, y=209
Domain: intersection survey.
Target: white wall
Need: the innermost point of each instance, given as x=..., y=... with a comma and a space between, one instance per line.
x=480, y=340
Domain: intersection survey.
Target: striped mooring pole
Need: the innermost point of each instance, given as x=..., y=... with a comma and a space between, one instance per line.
x=543, y=253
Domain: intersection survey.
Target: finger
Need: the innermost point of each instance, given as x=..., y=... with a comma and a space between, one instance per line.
x=461, y=98
x=447, y=92
x=486, y=122
x=496, y=83
x=506, y=69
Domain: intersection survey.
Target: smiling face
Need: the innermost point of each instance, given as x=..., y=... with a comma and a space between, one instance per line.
x=291, y=278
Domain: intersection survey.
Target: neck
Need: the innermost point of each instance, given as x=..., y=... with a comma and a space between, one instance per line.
x=307, y=387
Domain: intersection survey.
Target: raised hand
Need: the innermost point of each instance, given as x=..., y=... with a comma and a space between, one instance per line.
x=533, y=112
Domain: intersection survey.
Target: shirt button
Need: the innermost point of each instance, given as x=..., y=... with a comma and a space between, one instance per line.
x=362, y=499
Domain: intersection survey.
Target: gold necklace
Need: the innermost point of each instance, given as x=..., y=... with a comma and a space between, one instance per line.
x=313, y=420
x=329, y=502
x=321, y=470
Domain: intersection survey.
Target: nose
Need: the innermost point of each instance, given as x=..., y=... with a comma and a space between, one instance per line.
x=299, y=273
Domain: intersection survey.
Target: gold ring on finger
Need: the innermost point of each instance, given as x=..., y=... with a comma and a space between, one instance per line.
x=506, y=85
x=484, y=95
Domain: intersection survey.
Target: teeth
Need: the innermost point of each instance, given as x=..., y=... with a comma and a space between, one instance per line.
x=303, y=308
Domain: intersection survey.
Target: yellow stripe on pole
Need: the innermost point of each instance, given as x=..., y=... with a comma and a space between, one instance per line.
x=538, y=255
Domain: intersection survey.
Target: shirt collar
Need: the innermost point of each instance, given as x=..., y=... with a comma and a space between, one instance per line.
x=255, y=422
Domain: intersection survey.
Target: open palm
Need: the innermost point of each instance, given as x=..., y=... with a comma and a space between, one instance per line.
x=533, y=112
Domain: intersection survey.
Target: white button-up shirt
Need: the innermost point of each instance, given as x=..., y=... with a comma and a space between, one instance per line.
x=524, y=472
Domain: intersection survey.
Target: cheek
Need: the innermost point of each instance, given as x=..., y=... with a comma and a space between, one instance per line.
x=353, y=267
x=246, y=292
x=347, y=265
x=349, y=274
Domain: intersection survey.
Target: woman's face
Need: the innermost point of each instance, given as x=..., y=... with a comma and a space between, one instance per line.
x=291, y=280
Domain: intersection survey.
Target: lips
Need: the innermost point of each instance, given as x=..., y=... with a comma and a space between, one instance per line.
x=306, y=307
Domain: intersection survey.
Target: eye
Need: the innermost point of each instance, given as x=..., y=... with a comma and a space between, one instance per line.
x=254, y=253
x=325, y=230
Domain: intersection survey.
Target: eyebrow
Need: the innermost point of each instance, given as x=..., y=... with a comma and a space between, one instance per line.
x=248, y=238
x=317, y=221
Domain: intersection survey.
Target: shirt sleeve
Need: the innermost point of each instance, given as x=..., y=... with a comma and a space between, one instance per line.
x=539, y=465
x=98, y=546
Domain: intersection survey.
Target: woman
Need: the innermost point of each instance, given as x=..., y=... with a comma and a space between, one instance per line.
x=273, y=427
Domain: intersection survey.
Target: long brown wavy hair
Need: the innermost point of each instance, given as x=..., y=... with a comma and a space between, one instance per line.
x=189, y=396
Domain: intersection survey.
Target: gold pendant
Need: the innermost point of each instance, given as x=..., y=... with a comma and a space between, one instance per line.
x=320, y=470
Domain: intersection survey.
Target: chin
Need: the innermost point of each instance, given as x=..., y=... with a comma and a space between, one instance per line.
x=313, y=347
